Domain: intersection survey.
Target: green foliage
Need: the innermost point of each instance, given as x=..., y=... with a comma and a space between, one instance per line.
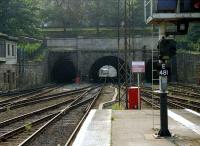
x=25, y=17
x=116, y=106
x=194, y=46
x=107, y=32
x=39, y=58
x=194, y=33
x=28, y=126
x=30, y=47
x=112, y=118
x=19, y=17
x=191, y=41
x=91, y=13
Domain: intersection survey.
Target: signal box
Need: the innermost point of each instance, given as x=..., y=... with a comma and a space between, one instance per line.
x=157, y=11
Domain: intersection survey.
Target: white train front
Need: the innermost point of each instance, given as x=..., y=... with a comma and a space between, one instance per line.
x=107, y=72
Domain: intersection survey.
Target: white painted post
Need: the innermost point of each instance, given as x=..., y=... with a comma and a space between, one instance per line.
x=162, y=30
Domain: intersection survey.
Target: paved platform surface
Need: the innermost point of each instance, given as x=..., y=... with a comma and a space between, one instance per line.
x=135, y=128
x=96, y=130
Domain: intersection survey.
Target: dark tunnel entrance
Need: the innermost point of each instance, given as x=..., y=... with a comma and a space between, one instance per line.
x=104, y=61
x=63, y=71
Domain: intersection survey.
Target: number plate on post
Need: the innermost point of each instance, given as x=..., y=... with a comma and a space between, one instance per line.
x=164, y=71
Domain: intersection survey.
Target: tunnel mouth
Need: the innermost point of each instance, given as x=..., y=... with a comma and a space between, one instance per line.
x=105, y=61
x=63, y=72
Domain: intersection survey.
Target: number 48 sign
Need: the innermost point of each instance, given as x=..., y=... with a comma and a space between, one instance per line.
x=164, y=71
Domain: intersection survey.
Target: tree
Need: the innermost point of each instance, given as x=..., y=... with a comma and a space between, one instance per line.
x=19, y=17
x=91, y=13
x=194, y=32
x=65, y=13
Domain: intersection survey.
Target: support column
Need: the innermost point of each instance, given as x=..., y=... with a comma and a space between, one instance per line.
x=162, y=31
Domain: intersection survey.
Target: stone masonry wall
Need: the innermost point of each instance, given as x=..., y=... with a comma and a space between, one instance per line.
x=33, y=74
x=188, y=68
x=8, y=76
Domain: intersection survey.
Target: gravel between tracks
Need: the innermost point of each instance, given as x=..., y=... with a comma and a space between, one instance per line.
x=106, y=95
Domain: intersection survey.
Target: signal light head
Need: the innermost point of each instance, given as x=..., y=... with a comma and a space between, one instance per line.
x=197, y=4
x=167, y=48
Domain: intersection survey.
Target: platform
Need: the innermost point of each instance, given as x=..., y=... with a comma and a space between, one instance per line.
x=135, y=128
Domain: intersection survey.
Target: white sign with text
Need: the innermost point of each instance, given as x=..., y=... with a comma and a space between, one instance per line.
x=138, y=66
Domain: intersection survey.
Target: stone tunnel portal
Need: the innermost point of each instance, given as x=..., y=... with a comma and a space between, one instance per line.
x=63, y=71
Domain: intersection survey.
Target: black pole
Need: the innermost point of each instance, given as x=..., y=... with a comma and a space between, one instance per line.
x=125, y=45
x=163, y=73
x=118, y=45
x=164, y=132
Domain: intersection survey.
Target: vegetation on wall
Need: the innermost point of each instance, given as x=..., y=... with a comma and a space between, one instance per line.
x=32, y=51
x=191, y=41
x=29, y=47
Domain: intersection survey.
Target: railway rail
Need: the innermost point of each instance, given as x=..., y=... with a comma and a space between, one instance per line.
x=14, y=131
x=173, y=101
x=23, y=91
x=190, y=89
x=36, y=99
x=29, y=95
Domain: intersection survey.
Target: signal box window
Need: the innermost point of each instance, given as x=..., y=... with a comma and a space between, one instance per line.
x=13, y=50
x=13, y=77
x=8, y=48
x=4, y=78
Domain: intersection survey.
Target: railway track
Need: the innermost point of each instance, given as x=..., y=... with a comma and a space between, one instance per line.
x=26, y=91
x=27, y=95
x=31, y=106
x=36, y=99
x=184, y=93
x=62, y=117
x=189, y=89
x=173, y=101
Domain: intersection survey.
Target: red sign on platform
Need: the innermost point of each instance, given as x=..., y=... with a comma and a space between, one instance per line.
x=138, y=66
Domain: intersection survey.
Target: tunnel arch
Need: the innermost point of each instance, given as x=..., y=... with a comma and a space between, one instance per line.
x=63, y=71
x=103, y=61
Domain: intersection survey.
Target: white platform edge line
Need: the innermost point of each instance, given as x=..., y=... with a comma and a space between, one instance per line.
x=80, y=137
x=184, y=122
x=193, y=112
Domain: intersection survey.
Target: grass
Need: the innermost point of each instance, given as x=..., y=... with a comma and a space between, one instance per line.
x=109, y=32
x=30, y=47
x=28, y=127
x=39, y=58
x=116, y=106
x=112, y=118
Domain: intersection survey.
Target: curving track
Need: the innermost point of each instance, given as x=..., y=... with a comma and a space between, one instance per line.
x=15, y=130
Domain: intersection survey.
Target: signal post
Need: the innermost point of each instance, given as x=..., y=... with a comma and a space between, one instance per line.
x=163, y=77
x=180, y=14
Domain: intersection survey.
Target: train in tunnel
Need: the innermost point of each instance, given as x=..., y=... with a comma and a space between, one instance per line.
x=107, y=72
